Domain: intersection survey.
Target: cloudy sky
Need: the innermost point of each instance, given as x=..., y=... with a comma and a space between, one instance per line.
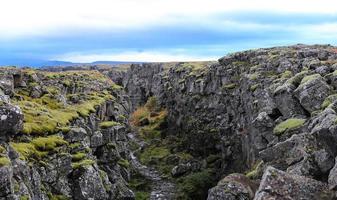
x=157, y=30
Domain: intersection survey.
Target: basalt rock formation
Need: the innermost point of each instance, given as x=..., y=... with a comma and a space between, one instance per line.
x=258, y=108
x=258, y=124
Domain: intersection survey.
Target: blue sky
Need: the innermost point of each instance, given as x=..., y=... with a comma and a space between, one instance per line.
x=157, y=30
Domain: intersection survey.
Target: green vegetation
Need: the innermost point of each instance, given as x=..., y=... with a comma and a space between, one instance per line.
x=296, y=80
x=57, y=197
x=256, y=171
x=287, y=74
x=4, y=161
x=82, y=163
x=289, y=124
x=124, y=163
x=108, y=124
x=140, y=186
x=195, y=186
x=254, y=87
x=329, y=100
x=2, y=149
x=154, y=154
x=49, y=113
x=310, y=78
x=38, y=147
x=78, y=156
x=254, y=76
x=229, y=86
x=24, y=197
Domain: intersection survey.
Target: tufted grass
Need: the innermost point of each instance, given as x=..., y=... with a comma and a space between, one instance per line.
x=124, y=163
x=83, y=163
x=108, y=124
x=38, y=147
x=78, y=156
x=289, y=124
x=4, y=161
x=310, y=78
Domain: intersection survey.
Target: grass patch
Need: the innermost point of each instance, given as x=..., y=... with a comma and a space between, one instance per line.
x=78, y=156
x=38, y=147
x=108, y=124
x=82, y=163
x=329, y=100
x=289, y=124
x=4, y=161
x=124, y=163
x=310, y=78
x=195, y=186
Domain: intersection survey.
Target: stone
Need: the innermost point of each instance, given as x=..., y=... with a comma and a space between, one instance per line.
x=6, y=184
x=233, y=187
x=312, y=93
x=11, y=120
x=276, y=184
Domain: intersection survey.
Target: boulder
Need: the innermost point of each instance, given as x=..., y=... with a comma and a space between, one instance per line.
x=11, y=119
x=312, y=92
x=233, y=187
x=76, y=134
x=276, y=184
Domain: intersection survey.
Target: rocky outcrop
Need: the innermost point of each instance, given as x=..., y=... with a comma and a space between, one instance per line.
x=85, y=157
x=276, y=184
x=277, y=105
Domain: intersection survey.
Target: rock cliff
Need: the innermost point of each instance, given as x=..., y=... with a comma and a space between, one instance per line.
x=257, y=124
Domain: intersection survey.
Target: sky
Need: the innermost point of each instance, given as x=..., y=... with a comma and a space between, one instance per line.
x=157, y=30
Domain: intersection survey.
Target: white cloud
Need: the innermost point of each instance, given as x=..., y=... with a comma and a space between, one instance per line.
x=48, y=17
x=149, y=56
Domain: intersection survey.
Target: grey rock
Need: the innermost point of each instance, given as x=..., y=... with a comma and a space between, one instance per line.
x=276, y=184
x=233, y=187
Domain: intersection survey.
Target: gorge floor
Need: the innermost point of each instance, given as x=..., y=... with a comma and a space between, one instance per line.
x=161, y=187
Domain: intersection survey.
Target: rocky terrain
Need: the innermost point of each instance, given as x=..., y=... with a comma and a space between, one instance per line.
x=258, y=124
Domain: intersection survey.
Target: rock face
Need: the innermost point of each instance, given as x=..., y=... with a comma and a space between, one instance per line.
x=273, y=105
x=266, y=111
x=42, y=156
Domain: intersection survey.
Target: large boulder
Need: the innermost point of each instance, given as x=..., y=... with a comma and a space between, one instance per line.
x=233, y=187
x=276, y=184
x=312, y=92
x=11, y=119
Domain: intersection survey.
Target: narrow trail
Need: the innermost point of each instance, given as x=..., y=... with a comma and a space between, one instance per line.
x=161, y=188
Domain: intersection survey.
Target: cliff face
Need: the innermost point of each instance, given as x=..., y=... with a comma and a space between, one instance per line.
x=261, y=123
x=257, y=108
x=63, y=136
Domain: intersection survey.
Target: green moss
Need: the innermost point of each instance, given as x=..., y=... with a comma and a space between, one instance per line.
x=124, y=163
x=108, y=124
x=2, y=149
x=82, y=163
x=256, y=171
x=152, y=104
x=142, y=195
x=287, y=74
x=78, y=156
x=24, y=197
x=48, y=143
x=38, y=147
x=229, y=86
x=141, y=186
x=330, y=99
x=310, y=78
x=153, y=154
x=253, y=76
x=296, y=80
x=57, y=197
x=254, y=87
x=116, y=87
x=195, y=185
x=289, y=124
x=4, y=161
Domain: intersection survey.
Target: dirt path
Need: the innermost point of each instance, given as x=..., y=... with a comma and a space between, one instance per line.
x=162, y=189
